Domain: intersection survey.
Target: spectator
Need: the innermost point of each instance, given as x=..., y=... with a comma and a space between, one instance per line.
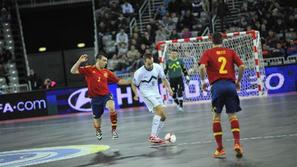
x=136, y=37
x=292, y=47
x=5, y=15
x=186, y=33
x=5, y=55
x=185, y=6
x=278, y=51
x=142, y=49
x=174, y=35
x=123, y=22
x=197, y=7
x=34, y=80
x=122, y=49
x=127, y=9
x=122, y=37
x=48, y=84
x=113, y=63
x=173, y=7
x=161, y=35
x=186, y=20
x=271, y=39
x=114, y=6
x=133, y=54
x=147, y=39
x=102, y=27
x=161, y=11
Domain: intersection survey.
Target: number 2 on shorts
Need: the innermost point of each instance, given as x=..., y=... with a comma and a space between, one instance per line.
x=223, y=62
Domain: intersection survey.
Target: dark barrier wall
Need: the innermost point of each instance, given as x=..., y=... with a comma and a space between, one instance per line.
x=23, y=105
x=57, y=65
x=70, y=57
x=48, y=65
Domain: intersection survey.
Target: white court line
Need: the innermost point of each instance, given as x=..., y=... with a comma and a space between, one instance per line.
x=242, y=139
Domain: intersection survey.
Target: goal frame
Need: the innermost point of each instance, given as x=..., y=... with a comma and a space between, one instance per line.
x=256, y=50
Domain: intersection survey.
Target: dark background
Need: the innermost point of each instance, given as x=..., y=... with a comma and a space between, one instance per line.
x=58, y=27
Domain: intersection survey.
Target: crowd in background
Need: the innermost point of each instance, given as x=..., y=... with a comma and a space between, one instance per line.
x=277, y=25
x=188, y=18
x=172, y=20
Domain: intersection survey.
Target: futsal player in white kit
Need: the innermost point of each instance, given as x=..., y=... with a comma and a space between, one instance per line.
x=146, y=79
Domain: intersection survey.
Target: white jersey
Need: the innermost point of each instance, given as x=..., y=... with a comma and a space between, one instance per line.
x=147, y=81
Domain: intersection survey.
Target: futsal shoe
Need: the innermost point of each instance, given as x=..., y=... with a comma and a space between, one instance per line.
x=115, y=135
x=180, y=109
x=238, y=150
x=99, y=135
x=219, y=153
x=156, y=140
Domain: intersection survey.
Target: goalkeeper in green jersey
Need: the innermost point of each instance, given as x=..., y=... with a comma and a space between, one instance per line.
x=175, y=69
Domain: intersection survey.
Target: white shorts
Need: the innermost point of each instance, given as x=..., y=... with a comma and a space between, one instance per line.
x=153, y=101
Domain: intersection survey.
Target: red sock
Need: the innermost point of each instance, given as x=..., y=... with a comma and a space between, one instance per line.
x=235, y=130
x=113, y=119
x=217, y=131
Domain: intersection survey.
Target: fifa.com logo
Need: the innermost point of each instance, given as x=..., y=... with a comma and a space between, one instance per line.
x=23, y=106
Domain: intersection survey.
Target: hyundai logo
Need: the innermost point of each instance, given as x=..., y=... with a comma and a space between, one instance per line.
x=78, y=100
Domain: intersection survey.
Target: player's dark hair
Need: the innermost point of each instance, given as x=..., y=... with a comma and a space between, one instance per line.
x=100, y=55
x=217, y=38
x=147, y=56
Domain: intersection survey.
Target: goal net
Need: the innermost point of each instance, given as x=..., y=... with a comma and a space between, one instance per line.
x=246, y=44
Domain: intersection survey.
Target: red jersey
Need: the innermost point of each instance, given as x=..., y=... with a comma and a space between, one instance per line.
x=98, y=80
x=219, y=63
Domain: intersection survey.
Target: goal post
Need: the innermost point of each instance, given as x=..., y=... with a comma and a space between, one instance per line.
x=246, y=44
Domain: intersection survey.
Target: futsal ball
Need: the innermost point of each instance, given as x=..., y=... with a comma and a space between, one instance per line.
x=170, y=137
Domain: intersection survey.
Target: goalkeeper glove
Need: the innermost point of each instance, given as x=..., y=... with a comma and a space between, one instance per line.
x=187, y=79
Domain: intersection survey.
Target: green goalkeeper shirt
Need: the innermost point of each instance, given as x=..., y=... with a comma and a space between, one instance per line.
x=175, y=68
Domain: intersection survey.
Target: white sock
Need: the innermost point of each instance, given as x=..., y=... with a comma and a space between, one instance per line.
x=160, y=127
x=155, y=125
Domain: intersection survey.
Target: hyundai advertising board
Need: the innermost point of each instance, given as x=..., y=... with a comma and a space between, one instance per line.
x=73, y=100
x=279, y=79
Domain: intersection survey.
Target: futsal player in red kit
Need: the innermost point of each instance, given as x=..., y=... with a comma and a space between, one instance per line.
x=218, y=62
x=98, y=78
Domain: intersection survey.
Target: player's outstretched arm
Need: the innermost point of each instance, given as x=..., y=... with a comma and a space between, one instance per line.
x=240, y=75
x=134, y=89
x=167, y=86
x=74, y=68
x=202, y=72
x=185, y=73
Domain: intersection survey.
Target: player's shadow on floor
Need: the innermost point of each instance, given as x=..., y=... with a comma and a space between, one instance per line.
x=164, y=151
x=241, y=162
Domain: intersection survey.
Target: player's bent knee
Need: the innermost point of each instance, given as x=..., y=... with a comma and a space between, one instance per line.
x=163, y=116
x=111, y=110
x=98, y=115
x=232, y=116
x=216, y=117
